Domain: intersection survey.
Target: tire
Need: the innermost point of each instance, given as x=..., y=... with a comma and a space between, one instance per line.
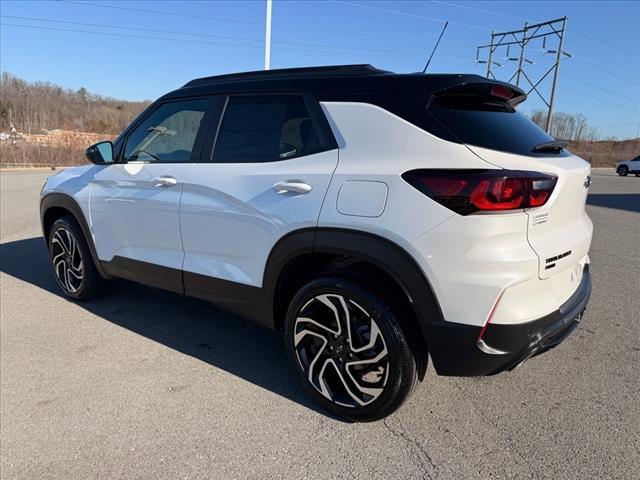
x=623, y=170
x=71, y=261
x=374, y=350
x=637, y=174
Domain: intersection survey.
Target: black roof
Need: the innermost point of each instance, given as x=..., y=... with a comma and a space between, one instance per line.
x=329, y=83
x=291, y=73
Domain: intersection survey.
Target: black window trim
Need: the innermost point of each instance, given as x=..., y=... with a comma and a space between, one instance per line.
x=321, y=125
x=196, y=151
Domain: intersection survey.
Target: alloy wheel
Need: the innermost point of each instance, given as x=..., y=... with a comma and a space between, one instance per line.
x=341, y=350
x=67, y=260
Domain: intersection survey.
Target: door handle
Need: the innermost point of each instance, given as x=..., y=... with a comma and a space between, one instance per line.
x=164, y=181
x=292, y=186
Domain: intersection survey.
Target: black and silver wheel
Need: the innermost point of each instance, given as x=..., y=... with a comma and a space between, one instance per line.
x=623, y=170
x=71, y=261
x=348, y=349
x=67, y=260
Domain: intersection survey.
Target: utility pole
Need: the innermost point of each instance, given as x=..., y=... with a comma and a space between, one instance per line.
x=521, y=59
x=267, y=39
x=553, y=29
x=555, y=75
x=489, y=63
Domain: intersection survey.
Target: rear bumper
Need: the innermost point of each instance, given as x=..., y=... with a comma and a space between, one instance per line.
x=455, y=349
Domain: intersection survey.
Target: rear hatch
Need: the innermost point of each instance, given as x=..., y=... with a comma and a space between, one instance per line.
x=482, y=116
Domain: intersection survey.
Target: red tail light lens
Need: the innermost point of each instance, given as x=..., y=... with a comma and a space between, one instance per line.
x=468, y=191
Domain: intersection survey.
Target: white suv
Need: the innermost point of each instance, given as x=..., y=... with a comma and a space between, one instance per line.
x=629, y=166
x=375, y=218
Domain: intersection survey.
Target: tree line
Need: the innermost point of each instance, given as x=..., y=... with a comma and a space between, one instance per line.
x=567, y=126
x=32, y=107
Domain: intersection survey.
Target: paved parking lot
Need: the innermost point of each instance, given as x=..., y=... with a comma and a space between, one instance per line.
x=147, y=384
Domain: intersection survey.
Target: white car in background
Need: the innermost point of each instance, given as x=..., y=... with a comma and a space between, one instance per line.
x=629, y=166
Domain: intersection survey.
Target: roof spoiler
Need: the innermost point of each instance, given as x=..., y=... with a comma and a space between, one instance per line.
x=486, y=90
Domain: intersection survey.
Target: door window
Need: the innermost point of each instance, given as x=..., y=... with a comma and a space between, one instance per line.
x=266, y=128
x=169, y=134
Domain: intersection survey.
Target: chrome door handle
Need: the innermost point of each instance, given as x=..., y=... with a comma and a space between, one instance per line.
x=164, y=181
x=292, y=186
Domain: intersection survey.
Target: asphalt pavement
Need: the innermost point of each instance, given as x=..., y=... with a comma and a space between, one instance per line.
x=146, y=384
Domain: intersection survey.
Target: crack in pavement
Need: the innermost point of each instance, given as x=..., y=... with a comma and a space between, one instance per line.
x=418, y=450
x=510, y=443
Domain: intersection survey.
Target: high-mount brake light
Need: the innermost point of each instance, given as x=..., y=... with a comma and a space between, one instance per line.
x=469, y=191
x=502, y=92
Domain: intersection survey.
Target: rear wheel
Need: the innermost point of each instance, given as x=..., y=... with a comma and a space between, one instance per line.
x=348, y=349
x=623, y=170
x=71, y=261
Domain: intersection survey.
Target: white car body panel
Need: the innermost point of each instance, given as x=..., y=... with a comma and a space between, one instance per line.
x=376, y=145
x=478, y=258
x=231, y=216
x=135, y=217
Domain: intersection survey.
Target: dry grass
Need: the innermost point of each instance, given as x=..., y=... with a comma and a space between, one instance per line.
x=606, y=153
x=57, y=149
x=34, y=155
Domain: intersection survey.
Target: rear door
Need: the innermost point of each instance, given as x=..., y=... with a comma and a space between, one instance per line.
x=134, y=203
x=272, y=158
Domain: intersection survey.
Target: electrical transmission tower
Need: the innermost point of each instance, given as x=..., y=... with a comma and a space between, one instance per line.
x=553, y=31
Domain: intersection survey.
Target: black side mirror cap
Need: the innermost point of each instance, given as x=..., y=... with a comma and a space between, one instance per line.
x=100, y=153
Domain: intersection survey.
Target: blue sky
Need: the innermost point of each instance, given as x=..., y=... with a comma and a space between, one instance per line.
x=160, y=45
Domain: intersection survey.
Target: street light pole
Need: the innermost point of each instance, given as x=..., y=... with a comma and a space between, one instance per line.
x=267, y=40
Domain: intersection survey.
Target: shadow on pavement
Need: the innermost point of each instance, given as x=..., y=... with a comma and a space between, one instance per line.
x=620, y=201
x=190, y=326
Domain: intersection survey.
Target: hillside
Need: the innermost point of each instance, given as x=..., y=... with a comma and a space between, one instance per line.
x=606, y=153
x=44, y=124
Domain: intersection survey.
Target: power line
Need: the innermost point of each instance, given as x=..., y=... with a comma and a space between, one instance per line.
x=600, y=67
x=600, y=88
x=573, y=34
x=482, y=10
x=234, y=20
x=174, y=32
x=588, y=40
x=600, y=99
x=146, y=37
x=410, y=15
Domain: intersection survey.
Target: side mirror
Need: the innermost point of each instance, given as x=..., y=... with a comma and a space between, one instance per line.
x=100, y=153
x=287, y=150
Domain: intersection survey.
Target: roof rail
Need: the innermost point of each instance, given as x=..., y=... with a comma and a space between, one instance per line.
x=325, y=71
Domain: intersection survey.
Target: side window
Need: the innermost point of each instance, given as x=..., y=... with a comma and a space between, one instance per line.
x=265, y=128
x=168, y=134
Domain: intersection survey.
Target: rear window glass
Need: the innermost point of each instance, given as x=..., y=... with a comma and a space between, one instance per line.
x=491, y=126
x=265, y=128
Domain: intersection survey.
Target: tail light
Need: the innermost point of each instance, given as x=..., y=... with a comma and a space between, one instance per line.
x=468, y=191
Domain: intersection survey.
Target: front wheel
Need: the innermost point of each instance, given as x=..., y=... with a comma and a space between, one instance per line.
x=348, y=349
x=623, y=170
x=71, y=261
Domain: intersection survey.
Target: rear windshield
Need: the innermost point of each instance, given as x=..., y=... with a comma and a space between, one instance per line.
x=490, y=125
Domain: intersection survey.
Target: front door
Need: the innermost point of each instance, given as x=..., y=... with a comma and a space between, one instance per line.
x=134, y=204
x=272, y=163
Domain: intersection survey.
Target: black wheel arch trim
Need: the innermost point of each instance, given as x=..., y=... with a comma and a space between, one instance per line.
x=381, y=252
x=68, y=203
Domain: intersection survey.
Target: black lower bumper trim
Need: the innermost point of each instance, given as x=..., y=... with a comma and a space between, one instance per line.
x=454, y=349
